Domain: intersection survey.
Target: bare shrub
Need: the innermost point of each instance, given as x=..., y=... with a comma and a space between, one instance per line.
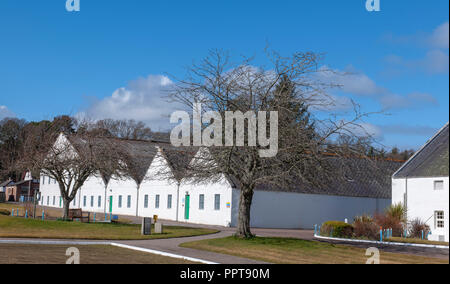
x=365, y=227
x=416, y=228
x=387, y=221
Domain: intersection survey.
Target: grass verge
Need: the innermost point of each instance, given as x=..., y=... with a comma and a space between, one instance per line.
x=12, y=227
x=295, y=251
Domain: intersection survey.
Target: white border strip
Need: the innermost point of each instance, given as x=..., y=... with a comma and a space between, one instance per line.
x=162, y=253
x=382, y=243
x=80, y=243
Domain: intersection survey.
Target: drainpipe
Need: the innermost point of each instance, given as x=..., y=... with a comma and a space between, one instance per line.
x=178, y=199
x=137, y=200
x=106, y=186
x=406, y=200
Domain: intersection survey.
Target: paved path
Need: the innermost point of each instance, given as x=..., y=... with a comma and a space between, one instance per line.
x=172, y=246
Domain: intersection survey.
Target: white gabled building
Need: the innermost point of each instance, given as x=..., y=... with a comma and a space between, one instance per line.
x=368, y=190
x=422, y=185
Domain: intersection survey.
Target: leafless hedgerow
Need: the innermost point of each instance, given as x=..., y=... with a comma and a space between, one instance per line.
x=71, y=159
x=289, y=85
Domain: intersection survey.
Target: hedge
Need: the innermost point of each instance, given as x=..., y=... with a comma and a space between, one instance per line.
x=5, y=212
x=337, y=229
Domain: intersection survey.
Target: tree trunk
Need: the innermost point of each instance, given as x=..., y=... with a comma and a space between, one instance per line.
x=245, y=203
x=66, y=204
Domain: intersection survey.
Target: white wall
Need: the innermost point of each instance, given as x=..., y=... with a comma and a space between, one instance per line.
x=208, y=215
x=49, y=190
x=92, y=187
x=296, y=210
x=423, y=201
x=124, y=188
x=153, y=186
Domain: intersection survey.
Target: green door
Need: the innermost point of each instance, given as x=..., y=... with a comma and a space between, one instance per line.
x=110, y=204
x=186, y=207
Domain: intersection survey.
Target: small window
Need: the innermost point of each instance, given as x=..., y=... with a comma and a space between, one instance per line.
x=157, y=201
x=99, y=201
x=92, y=201
x=439, y=219
x=146, y=201
x=129, y=201
x=49, y=180
x=43, y=180
x=438, y=185
x=42, y=200
x=75, y=201
x=201, y=202
x=48, y=200
x=120, y=201
x=169, y=201
x=217, y=202
x=84, y=201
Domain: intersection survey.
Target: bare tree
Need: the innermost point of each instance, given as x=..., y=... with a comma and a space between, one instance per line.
x=292, y=87
x=125, y=129
x=71, y=159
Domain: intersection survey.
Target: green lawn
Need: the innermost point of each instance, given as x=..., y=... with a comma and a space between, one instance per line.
x=12, y=227
x=295, y=251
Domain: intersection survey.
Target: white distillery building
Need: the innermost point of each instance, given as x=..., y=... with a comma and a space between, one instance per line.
x=368, y=190
x=421, y=184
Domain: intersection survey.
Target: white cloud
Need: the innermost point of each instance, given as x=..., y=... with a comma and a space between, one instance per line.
x=5, y=112
x=350, y=81
x=407, y=130
x=390, y=100
x=439, y=37
x=142, y=100
x=435, y=60
x=368, y=129
x=360, y=85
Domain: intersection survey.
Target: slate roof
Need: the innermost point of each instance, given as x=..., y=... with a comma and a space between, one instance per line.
x=363, y=178
x=139, y=154
x=431, y=160
x=178, y=158
x=24, y=182
x=5, y=183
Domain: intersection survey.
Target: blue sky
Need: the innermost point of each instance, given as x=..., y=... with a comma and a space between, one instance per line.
x=108, y=59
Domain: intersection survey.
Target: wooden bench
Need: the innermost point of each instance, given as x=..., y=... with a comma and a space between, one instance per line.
x=78, y=214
